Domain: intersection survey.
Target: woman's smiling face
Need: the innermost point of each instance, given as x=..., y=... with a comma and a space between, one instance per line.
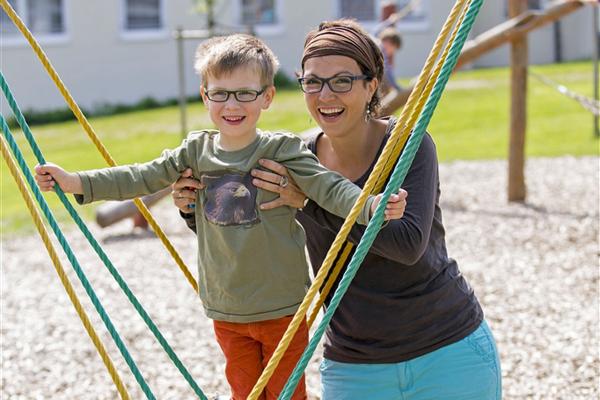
x=337, y=113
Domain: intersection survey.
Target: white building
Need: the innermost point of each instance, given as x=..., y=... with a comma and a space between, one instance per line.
x=121, y=51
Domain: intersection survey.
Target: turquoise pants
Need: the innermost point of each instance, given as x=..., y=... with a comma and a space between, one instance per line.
x=466, y=370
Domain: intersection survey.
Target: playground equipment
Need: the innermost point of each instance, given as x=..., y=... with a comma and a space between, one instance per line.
x=115, y=211
x=590, y=104
x=514, y=31
x=516, y=28
x=403, y=143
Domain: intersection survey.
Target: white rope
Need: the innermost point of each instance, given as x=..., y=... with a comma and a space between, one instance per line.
x=588, y=103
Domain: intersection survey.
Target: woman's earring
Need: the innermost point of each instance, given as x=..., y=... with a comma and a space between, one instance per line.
x=368, y=113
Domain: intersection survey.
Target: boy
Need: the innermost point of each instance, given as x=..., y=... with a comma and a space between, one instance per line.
x=251, y=263
x=390, y=42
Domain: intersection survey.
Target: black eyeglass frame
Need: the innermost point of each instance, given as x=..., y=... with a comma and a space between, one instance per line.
x=327, y=80
x=235, y=94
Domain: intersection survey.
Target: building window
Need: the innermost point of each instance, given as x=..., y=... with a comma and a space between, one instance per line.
x=6, y=25
x=373, y=10
x=42, y=17
x=143, y=15
x=362, y=10
x=45, y=16
x=259, y=12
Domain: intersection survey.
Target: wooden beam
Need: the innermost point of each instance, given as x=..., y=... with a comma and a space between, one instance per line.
x=394, y=100
x=518, y=108
x=514, y=29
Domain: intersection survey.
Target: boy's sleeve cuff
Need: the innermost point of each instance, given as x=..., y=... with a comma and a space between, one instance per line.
x=365, y=216
x=87, y=196
x=187, y=215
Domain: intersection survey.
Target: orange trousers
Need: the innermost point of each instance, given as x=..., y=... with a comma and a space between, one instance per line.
x=249, y=346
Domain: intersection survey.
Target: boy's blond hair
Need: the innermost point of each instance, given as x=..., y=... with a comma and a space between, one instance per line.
x=221, y=55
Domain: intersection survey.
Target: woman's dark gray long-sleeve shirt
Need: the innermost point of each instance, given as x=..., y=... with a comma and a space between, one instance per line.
x=408, y=297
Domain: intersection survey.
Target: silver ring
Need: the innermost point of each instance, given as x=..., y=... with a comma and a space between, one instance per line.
x=283, y=181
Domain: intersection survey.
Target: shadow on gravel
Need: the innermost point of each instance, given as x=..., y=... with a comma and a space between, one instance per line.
x=135, y=235
x=515, y=213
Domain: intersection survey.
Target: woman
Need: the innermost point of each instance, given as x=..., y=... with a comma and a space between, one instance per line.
x=410, y=326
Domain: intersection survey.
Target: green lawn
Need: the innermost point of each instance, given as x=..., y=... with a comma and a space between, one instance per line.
x=471, y=122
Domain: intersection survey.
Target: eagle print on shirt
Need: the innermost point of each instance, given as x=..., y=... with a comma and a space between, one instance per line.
x=230, y=198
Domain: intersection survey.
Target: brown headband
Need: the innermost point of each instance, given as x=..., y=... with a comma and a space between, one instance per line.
x=345, y=41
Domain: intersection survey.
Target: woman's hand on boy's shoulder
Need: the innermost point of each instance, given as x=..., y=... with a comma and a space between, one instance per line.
x=276, y=179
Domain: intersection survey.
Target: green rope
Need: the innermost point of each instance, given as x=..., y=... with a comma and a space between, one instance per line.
x=96, y=246
x=71, y=256
x=395, y=181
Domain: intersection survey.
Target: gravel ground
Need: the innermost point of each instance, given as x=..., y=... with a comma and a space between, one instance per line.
x=533, y=266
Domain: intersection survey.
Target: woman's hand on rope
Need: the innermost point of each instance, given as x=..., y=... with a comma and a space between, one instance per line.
x=49, y=174
x=184, y=191
x=278, y=181
x=395, y=206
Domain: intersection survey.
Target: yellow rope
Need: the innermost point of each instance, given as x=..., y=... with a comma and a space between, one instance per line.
x=92, y=135
x=37, y=219
x=400, y=131
x=414, y=114
x=410, y=109
x=329, y=284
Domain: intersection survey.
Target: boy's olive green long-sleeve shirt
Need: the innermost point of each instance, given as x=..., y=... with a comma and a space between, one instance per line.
x=251, y=263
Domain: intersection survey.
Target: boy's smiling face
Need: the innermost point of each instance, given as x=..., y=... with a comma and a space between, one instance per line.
x=236, y=120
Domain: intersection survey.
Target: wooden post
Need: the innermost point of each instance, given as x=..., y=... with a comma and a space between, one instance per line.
x=210, y=17
x=518, y=109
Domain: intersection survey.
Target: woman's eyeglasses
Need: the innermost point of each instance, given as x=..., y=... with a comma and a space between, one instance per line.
x=242, y=95
x=337, y=84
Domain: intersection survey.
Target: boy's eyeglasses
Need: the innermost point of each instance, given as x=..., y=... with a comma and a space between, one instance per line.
x=337, y=84
x=242, y=95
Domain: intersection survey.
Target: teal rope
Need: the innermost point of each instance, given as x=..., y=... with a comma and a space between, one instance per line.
x=395, y=181
x=71, y=256
x=96, y=246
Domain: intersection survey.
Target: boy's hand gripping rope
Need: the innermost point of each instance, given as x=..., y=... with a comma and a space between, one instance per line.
x=74, y=262
x=96, y=246
x=43, y=232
